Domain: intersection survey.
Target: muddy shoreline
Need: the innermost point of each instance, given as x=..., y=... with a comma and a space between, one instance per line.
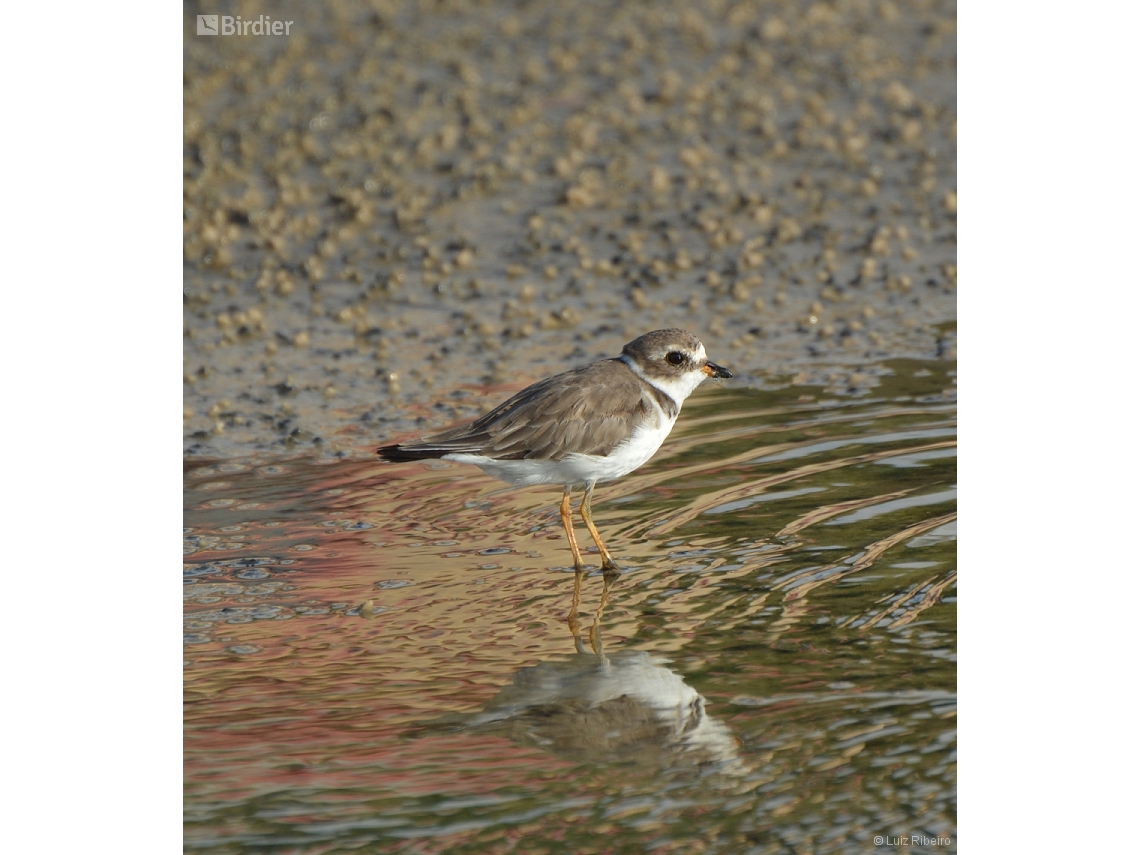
x=399, y=213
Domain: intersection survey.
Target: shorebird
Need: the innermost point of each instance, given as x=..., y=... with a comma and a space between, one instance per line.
x=582, y=427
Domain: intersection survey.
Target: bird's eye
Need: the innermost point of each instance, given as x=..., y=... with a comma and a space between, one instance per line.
x=674, y=357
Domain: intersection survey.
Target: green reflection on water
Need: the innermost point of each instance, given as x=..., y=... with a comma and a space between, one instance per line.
x=790, y=589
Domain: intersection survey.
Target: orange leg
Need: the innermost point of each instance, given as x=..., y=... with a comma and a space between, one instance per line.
x=579, y=570
x=609, y=566
x=568, y=524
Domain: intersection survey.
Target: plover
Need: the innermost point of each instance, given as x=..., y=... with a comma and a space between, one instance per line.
x=582, y=427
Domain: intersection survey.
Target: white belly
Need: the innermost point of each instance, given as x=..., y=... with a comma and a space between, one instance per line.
x=574, y=469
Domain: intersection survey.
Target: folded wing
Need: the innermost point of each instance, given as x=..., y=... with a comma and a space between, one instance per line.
x=586, y=411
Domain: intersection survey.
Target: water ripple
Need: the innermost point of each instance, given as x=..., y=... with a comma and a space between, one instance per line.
x=357, y=671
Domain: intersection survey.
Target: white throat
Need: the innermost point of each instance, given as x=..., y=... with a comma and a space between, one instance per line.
x=678, y=388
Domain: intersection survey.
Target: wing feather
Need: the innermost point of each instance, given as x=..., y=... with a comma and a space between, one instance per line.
x=585, y=411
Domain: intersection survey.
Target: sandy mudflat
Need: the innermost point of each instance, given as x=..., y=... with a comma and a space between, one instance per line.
x=402, y=210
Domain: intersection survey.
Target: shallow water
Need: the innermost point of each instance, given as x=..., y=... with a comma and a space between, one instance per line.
x=378, y=655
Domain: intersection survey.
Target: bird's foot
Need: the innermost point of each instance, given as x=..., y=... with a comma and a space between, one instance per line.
x=610, y=569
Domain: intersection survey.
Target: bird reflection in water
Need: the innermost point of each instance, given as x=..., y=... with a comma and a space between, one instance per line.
x=608, y=579
x=623, y=707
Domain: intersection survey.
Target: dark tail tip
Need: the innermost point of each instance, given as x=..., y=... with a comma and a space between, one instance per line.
x=402, y=452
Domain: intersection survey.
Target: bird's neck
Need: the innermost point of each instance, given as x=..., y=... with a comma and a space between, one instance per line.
x=677, y=389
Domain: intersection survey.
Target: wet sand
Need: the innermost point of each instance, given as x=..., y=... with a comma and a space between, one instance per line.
x=402, y=211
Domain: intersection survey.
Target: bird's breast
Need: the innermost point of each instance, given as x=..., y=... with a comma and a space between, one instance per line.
x=641, y=445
